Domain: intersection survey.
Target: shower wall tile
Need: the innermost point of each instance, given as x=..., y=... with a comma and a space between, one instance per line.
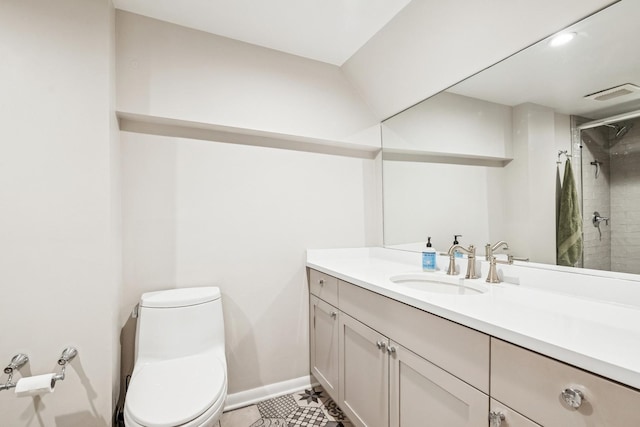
x=625, y=202
x=595, y=197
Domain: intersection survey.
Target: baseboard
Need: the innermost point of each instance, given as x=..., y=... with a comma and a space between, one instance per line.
x=255, y=395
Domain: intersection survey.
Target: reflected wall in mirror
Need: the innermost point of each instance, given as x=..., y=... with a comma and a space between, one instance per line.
x=481, y=159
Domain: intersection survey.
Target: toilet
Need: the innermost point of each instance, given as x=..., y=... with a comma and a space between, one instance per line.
x=180, y=374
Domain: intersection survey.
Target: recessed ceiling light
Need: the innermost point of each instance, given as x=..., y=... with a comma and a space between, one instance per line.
x=561, y=39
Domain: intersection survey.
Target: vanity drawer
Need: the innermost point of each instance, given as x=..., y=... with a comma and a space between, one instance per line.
x=511, y=417
x=457, y=349
x=532, y=384
x=323, y=286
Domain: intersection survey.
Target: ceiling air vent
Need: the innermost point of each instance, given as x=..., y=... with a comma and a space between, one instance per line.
x=614, y=92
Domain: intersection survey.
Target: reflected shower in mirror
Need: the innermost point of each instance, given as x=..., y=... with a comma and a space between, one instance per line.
x=481, y=158
x=611, y=196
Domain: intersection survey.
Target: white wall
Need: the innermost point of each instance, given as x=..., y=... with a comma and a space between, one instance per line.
x=57, y=242
x=170, y=71
x=116, y=210
x=240, y=217
x=431, y=45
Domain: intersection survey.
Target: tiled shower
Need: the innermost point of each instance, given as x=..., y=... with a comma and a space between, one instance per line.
x=611, y=186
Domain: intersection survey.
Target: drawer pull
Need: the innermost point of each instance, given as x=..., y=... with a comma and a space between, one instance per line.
x=572, y=397
x=321, y=281
x=333, y=314
x=381, y=345
x=496, y=418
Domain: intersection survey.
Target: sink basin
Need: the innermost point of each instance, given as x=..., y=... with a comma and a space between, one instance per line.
x=439, y=284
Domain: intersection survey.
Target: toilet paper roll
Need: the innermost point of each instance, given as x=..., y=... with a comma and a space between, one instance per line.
x=36, y=385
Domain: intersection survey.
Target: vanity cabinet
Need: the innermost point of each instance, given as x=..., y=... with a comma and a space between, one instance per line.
x=385, y=384
x=541, y=389
x=502, y=416
x=323, y=330
x=422, y=394
x=457, y=349
x=364, y=374
x=388, y=364
x=323, y=286
x=397, y=365
x=323, y=344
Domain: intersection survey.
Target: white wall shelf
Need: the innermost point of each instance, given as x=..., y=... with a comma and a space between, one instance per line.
x=398, y=154
x=163, y=126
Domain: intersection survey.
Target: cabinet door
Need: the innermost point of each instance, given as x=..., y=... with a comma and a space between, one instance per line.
x=323, y=341
x=422, y=394
x=364, y=373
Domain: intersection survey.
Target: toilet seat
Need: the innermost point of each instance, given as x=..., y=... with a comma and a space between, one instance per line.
x=173, y=392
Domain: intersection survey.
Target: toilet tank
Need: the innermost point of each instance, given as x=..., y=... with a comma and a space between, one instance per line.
x=179, y=322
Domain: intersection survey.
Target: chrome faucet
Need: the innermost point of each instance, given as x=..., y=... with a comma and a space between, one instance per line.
x=471, y=260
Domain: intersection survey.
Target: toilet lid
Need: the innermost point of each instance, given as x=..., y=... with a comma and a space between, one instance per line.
x=172, y=392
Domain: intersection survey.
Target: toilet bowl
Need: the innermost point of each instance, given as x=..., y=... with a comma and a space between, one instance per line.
x=180, y=372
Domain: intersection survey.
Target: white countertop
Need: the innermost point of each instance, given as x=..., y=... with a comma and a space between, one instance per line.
x=601, y=335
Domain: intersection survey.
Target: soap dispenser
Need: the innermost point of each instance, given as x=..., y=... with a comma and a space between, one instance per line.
x=429, y=257
x=455, y=242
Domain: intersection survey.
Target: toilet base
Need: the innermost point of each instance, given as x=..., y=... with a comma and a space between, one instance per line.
x=209, y=418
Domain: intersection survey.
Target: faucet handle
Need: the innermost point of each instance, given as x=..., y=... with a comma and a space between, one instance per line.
x=512, y=258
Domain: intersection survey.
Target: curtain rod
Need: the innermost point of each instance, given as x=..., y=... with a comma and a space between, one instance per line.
x=612, y=119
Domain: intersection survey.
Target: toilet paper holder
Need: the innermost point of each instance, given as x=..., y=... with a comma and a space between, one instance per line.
x=16, y=363
x=67, y=356
x=21, y=359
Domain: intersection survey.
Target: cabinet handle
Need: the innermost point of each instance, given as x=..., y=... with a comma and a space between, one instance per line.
x=321, y=281
x=333, y=314
x=496, y=418
x=572, y=397
x=381, y=345
x=391, y=350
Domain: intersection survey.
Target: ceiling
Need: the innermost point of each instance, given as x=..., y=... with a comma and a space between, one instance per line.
x=329, y=30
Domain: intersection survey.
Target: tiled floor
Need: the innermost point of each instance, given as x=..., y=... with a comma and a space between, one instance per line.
x=311, y=407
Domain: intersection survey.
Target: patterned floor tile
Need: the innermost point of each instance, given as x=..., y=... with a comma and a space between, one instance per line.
x=270, y=422
x=314, y=397
x=278, y=407
x=311, y=407
x=333, y=412
x=307, y=417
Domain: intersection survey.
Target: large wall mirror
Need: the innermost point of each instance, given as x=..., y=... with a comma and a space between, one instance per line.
x=486, y=158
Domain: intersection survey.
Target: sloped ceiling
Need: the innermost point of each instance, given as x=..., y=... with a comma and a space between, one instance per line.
x=329, y=31
x=395, y=52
